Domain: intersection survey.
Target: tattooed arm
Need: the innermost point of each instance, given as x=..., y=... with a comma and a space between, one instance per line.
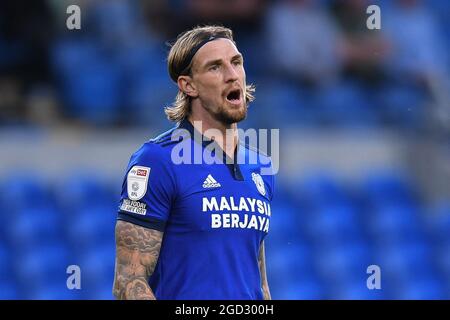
x=262, y=271
x=137, y=251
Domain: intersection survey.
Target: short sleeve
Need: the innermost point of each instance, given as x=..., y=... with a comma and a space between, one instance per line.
x=148, y=188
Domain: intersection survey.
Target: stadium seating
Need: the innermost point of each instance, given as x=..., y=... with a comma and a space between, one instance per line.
x=318, y=249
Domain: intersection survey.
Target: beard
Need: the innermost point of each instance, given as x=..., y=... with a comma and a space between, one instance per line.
x=229, y=116
x=226, y=113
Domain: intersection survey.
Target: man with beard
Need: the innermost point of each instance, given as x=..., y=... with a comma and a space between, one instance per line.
x=189, y=229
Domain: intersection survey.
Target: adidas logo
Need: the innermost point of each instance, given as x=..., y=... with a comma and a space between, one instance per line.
x=210, y=182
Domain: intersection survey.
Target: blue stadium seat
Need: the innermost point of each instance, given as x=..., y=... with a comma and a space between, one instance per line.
x=53, y=291
x=43, y=265
x=143, y=56
x=357, y=290
x=333, y=224
x=251, y=45
x=97, y=267
x=402, y=104
x=68, y=55
x=77, y=190
x=388, y=186
x=345, y=103
x=299, y=258
x=292, y=105
x=289, y=263
x=5, y=263
x=91, y=225
x=3, y=217
x=442, y=259
x=308, y=289
x=393, y=223
x=128, y=23
x=100, y=292
x=438, y=222
x=343, y=263
x=321, y=188
x=9, y=291
x=147, y=86
x=90, y=82
x=429, y=288
x=147, y=98
x=24, y=189
x=285, y=224
x=34, y=226
x=94, y=94
x=277, y=266
x=403, y=262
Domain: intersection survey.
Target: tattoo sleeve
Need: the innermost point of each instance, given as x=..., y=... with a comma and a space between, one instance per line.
x=137, y=251
x=262, y=271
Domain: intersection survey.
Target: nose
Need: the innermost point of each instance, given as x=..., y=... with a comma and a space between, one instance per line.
x=231, y=74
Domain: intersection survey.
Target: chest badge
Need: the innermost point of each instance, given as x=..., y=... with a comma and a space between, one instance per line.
x=259, y=183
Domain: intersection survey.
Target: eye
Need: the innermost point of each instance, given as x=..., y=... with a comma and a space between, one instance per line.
x=237, y=62
x=214, y=67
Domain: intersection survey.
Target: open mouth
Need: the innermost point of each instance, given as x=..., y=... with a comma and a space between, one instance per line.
x=234, y=96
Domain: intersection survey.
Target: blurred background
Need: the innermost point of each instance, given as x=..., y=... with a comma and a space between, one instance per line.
x=364, y=125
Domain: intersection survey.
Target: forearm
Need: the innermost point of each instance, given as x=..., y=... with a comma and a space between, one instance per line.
x=262, y=269
x=137, y=251
x=266, y=292
x=136, y=288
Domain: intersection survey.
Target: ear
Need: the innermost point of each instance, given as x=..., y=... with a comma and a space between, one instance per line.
x=186, y=84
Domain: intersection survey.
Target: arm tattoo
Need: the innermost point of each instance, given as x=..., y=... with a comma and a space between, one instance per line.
x=262, y=270
x=137, y=251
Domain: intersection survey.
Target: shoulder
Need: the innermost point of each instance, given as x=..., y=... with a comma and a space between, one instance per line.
x=156, y=150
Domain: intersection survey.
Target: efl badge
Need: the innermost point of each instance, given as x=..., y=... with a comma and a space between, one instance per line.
x=137, y=181
x=259, y=183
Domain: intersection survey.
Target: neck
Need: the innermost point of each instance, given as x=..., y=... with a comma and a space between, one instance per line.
x=225, y=135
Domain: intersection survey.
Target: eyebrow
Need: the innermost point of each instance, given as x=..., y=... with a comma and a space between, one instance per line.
x=218, y=61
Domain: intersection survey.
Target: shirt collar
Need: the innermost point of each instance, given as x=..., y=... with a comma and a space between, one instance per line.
x=209, y=143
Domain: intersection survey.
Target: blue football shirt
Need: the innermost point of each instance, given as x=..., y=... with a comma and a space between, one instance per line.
x=214, y=216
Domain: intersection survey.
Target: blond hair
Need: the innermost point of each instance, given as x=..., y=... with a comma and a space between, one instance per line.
x=179, y=51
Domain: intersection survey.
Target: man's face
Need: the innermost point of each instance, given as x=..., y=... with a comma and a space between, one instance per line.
x=219, y=76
